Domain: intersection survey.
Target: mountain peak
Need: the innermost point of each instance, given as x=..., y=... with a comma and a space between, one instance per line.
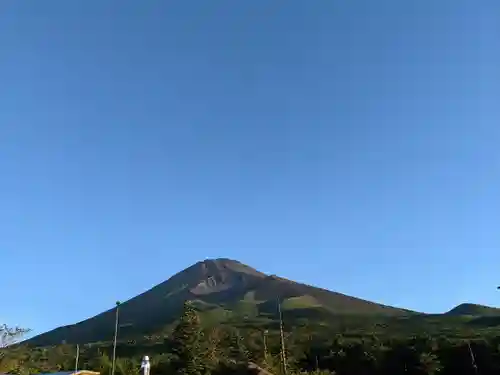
x=227, y=265
x=216, y=275
x=473, y=309
x=215, y=284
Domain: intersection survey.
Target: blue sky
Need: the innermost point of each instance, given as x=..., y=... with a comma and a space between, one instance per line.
x=351, y=145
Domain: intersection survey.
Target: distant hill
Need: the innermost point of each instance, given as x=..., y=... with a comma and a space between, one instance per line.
x=473, y=309
x=221, y=288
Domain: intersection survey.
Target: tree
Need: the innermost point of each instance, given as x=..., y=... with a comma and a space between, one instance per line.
x=126, y=366
x=214, y=350
x=187, y=345
x=237, y=348
x=429, y=364
x=10, y=336
x=11, y=358
x=102, y=363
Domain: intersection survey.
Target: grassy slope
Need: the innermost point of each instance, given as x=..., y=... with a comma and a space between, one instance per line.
x=473, y=310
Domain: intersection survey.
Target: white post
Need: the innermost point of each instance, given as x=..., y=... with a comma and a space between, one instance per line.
x=77, y=357
x=283, y=353
x=145, y=365
x=115, y=338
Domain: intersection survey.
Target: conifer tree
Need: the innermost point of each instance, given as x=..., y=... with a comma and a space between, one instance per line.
x=238, y=350
x=187, y=344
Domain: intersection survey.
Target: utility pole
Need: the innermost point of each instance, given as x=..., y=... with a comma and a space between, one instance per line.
x=473, y=360
x=265, y=344
x=77, y=357
x=283, y=354
x=116, y=336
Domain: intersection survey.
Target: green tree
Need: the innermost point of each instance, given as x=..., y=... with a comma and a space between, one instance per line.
x=12, y=358
x=428, y=364
x=161, y=364
x=237, y=349
x=126, y=366
x=102, y=363
x=214, y=350
x=187, y=344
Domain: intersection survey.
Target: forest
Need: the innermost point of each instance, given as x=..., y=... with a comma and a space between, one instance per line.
x=192, y=348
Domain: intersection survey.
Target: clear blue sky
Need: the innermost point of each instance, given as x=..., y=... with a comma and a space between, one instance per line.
x=352, y=145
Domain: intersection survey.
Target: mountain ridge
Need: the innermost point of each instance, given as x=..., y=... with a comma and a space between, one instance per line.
x=473, y=309
x=219, y=287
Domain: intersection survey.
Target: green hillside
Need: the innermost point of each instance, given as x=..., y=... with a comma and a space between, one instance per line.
x=225, y=291
x=228, y=287
x=473, y=310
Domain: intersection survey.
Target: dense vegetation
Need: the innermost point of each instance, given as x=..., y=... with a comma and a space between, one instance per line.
x=195, y=345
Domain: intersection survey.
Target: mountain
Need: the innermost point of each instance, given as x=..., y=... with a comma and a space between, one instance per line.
x=221, y=288
x=474, y=310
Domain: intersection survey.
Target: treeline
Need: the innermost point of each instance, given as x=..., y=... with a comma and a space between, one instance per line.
x=191, y=349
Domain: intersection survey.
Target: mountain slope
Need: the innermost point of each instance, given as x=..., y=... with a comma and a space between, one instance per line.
x=473, y=309
x=217, y=285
